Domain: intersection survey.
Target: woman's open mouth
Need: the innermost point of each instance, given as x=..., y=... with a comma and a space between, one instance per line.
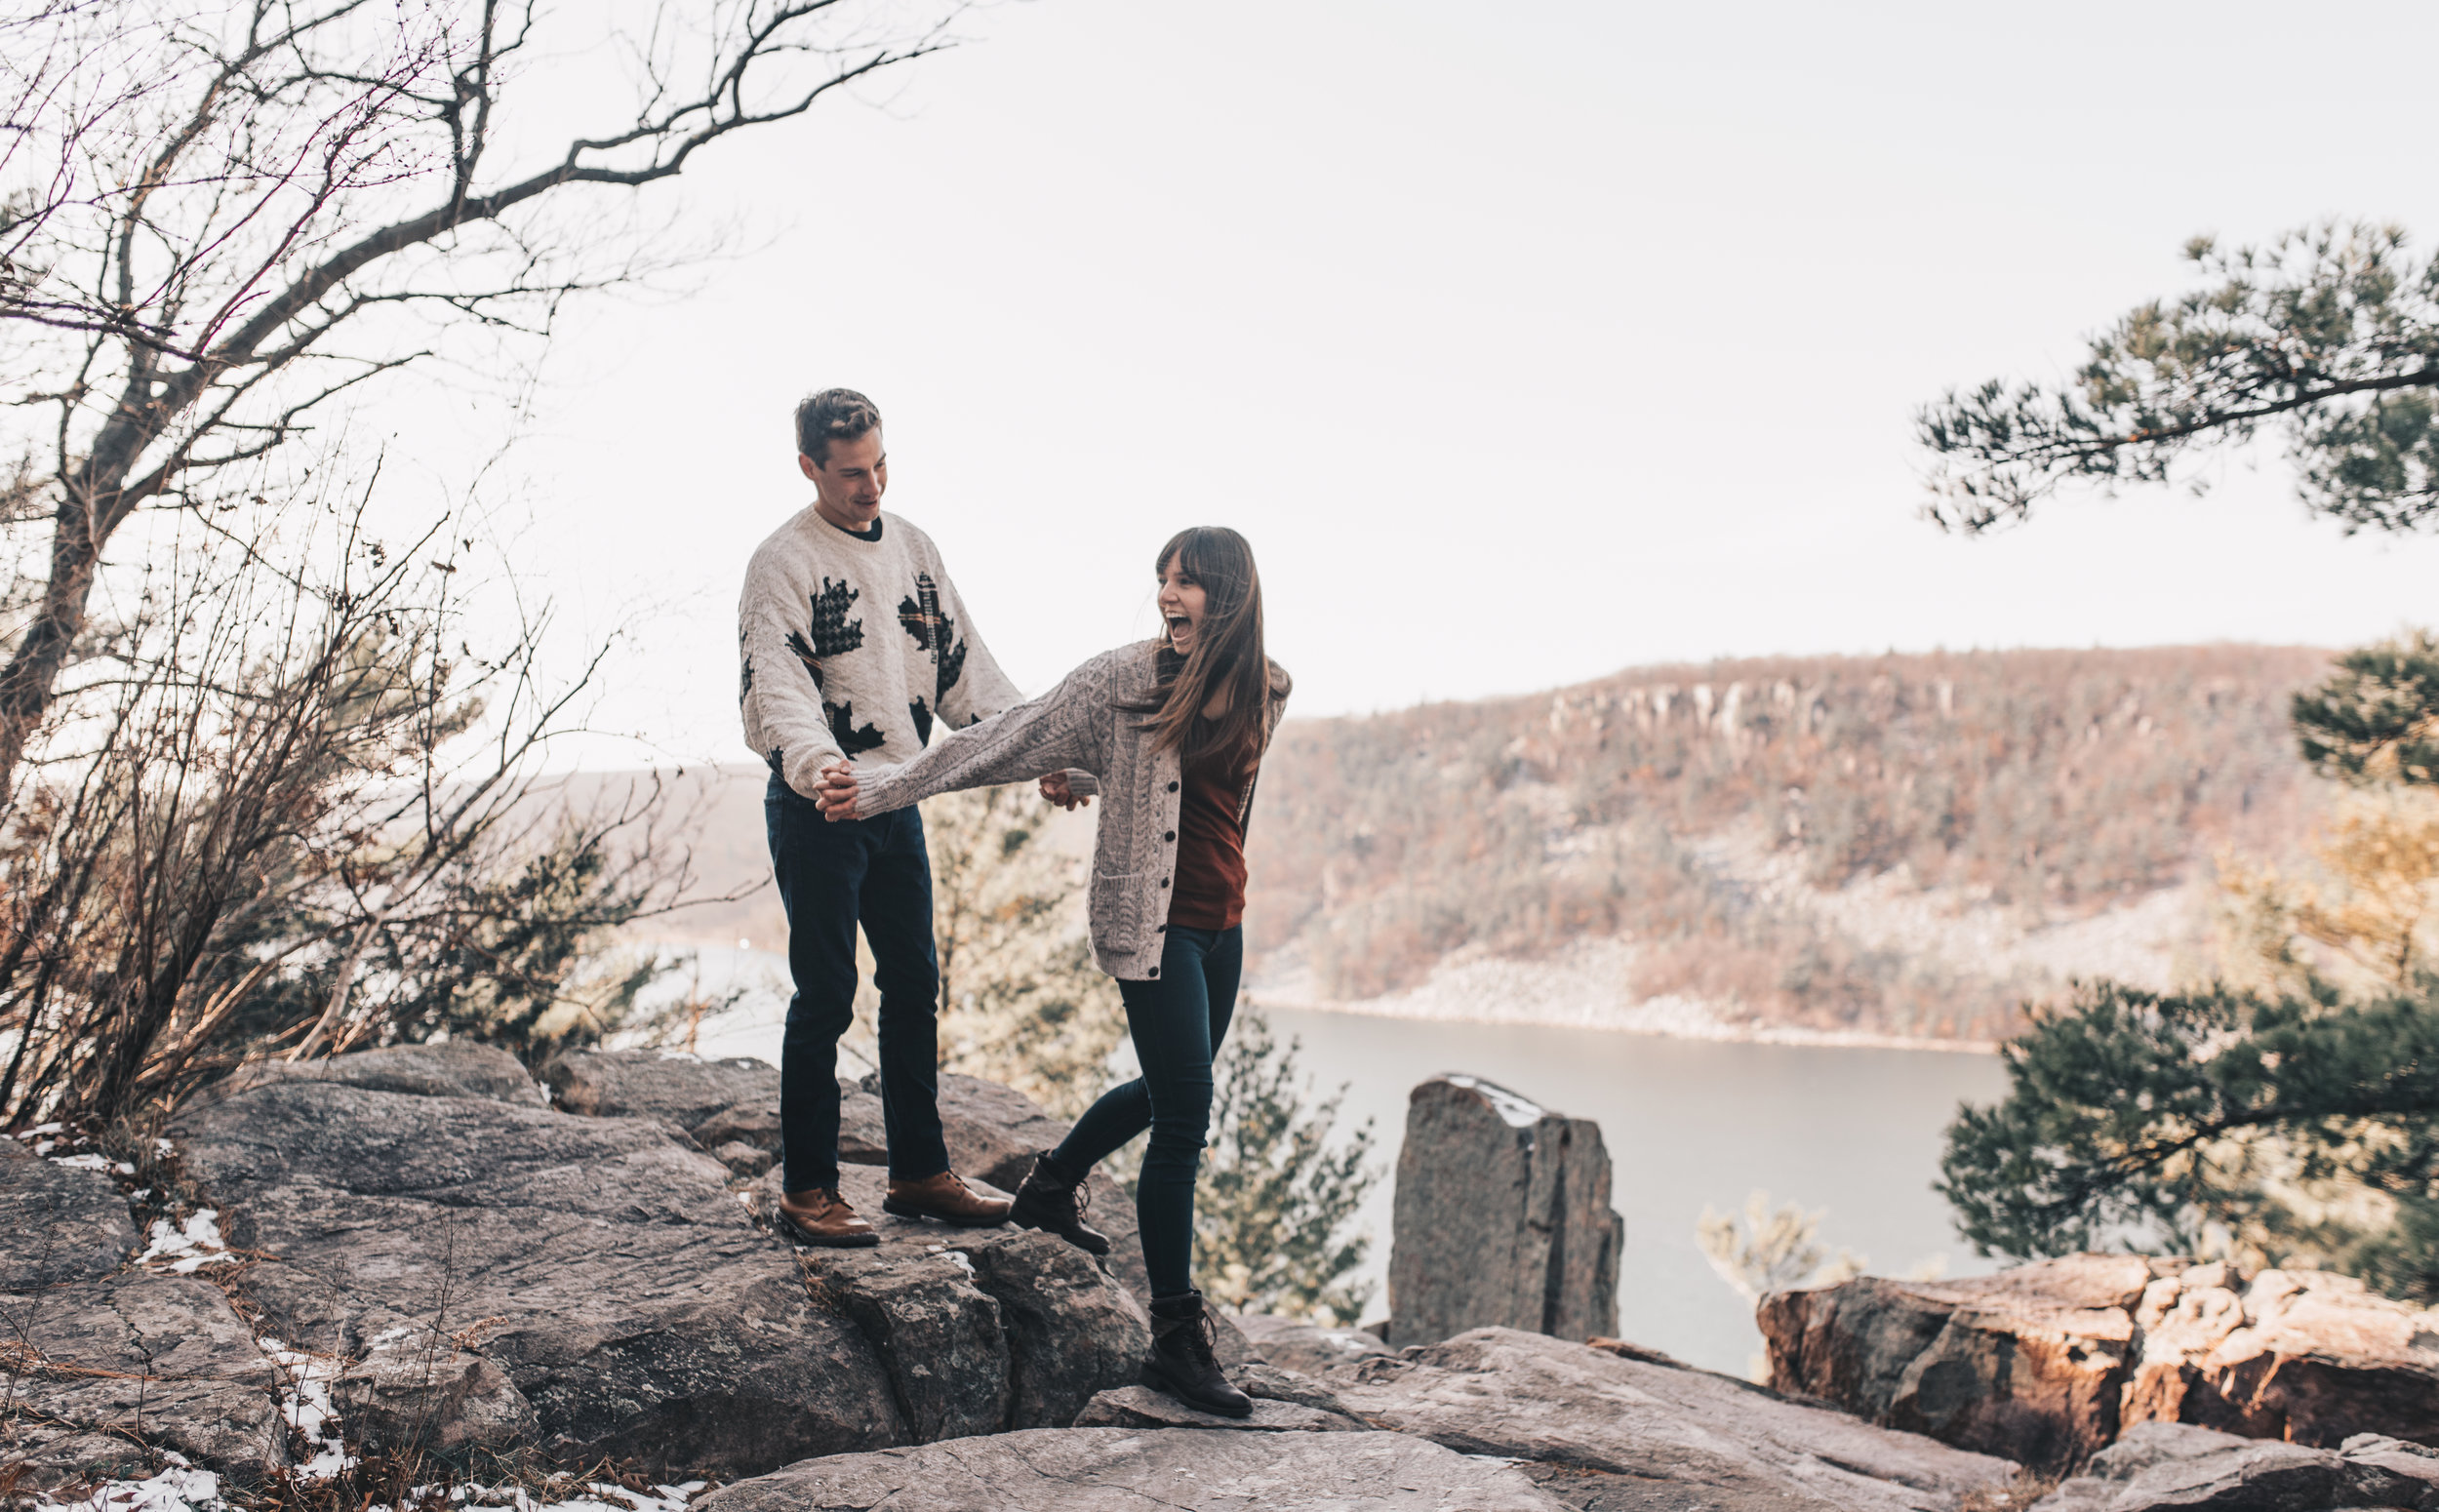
x=1179, y=622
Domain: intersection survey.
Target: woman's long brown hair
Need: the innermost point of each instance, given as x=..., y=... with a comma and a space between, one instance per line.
x=1227, y=653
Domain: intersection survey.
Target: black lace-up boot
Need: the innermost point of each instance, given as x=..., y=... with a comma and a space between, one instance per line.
x=1054, y=1202
x=1182, y=1364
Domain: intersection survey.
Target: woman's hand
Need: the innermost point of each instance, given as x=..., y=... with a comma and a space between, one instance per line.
x=836, y=794
x=1055, y=788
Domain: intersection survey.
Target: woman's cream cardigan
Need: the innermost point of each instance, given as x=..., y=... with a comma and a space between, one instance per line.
x=1078, y=727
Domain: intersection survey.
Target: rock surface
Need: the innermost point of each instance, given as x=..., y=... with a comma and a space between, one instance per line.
x=416, y=1388
x=1139, y=1470
x=114, y=1365
x=1141, y=1407
x=686, y=1090
x=2047, y=1363
x=1503, y=1218
x=982, y=1328
x=63, y=1224
x=447, y=1070
x=602, y=1262
x=1293, y=1344
x=499, y=1274
x=2158, y=1466
x=1671, y=1436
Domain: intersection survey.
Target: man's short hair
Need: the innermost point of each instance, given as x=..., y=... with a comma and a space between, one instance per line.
x=833, y=415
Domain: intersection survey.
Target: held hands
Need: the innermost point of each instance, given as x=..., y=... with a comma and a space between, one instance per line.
x=836, y=794
x=1055, y=788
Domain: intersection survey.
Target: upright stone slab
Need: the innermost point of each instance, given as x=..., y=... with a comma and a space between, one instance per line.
x=1503, y=1218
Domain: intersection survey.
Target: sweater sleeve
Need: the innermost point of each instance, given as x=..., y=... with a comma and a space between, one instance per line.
x=1065, y=728
x=776, y=690
x=980, y=689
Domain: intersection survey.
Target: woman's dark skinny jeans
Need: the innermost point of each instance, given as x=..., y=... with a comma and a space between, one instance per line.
x=1177, y=1020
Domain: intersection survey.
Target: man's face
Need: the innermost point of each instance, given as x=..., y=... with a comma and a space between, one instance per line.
x=849, y=483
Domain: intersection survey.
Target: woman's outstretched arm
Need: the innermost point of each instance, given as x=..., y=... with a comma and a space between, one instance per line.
x=1061, y=729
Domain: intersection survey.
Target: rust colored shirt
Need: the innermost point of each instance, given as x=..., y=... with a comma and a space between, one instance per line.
x=1210, y=890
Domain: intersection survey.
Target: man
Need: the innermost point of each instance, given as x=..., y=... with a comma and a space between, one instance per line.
x=853, y=643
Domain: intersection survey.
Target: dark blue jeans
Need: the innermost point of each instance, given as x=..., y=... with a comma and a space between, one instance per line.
x=832, y=876
x=1178, y=1021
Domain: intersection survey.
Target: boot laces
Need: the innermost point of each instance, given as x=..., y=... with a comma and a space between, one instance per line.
x=1197, y=1337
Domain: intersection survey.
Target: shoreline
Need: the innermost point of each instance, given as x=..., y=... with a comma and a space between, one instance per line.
x=1671, y=1022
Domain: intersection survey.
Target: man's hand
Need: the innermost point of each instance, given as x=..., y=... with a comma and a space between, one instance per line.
x=836, y=794
x=1055, y=788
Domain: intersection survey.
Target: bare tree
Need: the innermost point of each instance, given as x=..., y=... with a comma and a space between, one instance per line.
x=226, y=216
x=295, y=812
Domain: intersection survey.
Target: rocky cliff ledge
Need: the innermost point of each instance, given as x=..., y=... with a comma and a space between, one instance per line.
x=427, y=1253
x=2049, y=1363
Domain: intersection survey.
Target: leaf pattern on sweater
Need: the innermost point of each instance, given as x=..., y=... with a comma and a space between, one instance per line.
x=833, y=633
x=922, y=618
x=850, y=740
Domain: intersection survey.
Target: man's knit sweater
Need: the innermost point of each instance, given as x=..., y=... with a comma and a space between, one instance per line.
x=854, y=647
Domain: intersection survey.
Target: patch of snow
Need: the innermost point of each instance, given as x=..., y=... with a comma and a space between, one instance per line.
x=307, y=1405
x=84, y=1161
x=39, y=1129
x=188, y=1248
x=177, y=1489
x=164, y=1148
x=679, y=1054
x=1513, y=1111
x=958, y=1260
x=605, y=1497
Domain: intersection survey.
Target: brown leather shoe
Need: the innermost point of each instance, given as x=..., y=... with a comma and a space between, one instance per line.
x=946, y=1198
x=821, y=1217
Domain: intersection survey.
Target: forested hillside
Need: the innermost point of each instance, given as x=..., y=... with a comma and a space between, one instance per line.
x=1893, y=845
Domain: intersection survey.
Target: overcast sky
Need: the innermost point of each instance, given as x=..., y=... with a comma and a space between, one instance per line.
x=1525, y=342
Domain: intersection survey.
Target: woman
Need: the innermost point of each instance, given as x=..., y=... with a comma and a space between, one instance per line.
x=1170, y=733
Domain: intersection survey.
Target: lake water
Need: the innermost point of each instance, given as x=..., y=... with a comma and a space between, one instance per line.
x=1686, y=1123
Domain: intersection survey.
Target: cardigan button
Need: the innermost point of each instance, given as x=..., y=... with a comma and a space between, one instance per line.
x=1155, y=971
x=1164, y=882
x=1173, y=787
x=1170, y=837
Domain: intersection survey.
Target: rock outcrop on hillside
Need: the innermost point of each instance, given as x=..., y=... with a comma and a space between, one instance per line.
x=600, y=1264
x=1503, y=1218
x=620, y=1294
x=2047, y=1364
x=467, y=1271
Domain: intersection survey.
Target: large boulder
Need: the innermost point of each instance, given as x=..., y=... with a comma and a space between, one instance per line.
x=63, y=1223
x=600, y=1264
x=2047, y=1363
x=982, y=1328
x=452, y=1070
x=2158, y=1466
x=1503, y=1218
x=1603, y=1429
x=1128, y=1469
x=109, y=1373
